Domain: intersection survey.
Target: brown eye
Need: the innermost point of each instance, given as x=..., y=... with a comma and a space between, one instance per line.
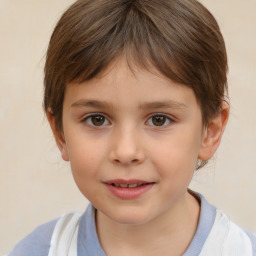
x=159, y=120
x=97, y=120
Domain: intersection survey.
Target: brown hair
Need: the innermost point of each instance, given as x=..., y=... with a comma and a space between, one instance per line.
x=180, y=38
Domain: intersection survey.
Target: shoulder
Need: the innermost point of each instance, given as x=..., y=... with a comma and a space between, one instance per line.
x=37, y=243
x=226, y=238
x=217, y=234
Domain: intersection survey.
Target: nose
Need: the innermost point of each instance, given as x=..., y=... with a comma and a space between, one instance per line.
x=126, y=147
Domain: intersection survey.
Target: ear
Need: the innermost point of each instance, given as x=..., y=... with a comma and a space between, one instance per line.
x=59, y=136
x=212, y=134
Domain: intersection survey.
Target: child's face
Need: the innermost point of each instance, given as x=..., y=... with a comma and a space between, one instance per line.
x=132, y=129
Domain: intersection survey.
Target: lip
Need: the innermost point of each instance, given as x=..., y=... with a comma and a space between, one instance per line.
x=128, y=193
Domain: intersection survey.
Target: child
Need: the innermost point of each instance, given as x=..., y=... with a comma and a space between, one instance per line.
x=135, y=96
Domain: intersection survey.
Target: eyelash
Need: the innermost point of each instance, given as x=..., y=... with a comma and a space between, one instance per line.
x=165, y=118
x=88, y=119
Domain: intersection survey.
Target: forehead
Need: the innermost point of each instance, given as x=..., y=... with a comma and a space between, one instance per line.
x=123, y=86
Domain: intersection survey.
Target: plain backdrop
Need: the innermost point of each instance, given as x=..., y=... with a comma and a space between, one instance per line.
x=37, y=186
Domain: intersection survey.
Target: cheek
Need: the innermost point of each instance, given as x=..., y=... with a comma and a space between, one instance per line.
x=85, y=156
x=85, y=161
x=177, y=155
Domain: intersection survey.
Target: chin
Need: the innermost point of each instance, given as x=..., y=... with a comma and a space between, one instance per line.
x=130, y=217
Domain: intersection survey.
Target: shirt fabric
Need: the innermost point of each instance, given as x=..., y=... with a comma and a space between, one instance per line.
x=215, y=235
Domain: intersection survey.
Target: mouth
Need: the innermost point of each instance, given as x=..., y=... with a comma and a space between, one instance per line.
x=128, y=189
x=131, y=185
x=127, y=183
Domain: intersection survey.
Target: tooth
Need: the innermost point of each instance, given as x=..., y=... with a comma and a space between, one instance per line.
x=124, y=185
x=133, y=185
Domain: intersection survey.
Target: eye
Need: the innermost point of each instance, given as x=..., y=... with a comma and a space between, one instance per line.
x=159, y=120
x=96, y=120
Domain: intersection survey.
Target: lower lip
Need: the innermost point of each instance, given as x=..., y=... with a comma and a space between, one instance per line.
x=129, y=193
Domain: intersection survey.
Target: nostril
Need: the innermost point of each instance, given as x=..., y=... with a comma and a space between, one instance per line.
x=126, y=162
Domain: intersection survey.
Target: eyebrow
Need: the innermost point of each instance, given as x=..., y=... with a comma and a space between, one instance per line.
x=91, y=103
x=146, y=105
x=163, y=104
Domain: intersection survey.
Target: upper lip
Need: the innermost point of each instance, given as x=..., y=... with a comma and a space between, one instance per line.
x=131, y=181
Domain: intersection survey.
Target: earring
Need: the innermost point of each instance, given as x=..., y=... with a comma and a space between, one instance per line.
x=200, y=164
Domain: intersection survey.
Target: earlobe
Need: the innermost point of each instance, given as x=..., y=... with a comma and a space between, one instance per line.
x=59, y=136
x=212, y=134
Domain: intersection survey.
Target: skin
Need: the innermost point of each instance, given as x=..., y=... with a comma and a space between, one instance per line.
x=129, y=145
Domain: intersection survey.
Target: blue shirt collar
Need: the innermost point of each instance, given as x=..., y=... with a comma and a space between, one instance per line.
x=88, y=241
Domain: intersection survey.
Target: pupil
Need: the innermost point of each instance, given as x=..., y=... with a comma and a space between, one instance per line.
x=98, y=120
x=159, y=120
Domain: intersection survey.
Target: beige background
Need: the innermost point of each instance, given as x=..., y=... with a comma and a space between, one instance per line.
x=36, y=185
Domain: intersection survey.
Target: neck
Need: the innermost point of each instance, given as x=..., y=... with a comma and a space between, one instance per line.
x=170, y=232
